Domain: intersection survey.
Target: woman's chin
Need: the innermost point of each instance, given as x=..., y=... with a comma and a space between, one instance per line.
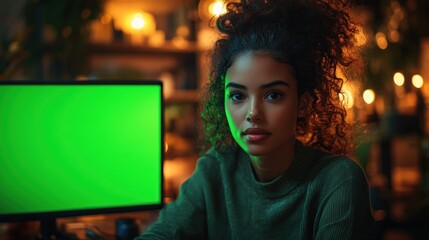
x=256, y=151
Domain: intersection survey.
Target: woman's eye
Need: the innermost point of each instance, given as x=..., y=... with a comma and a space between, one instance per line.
x=274, y=95
x=235, y=96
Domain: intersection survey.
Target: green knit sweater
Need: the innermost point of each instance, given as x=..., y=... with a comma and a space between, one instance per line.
x=318, y=197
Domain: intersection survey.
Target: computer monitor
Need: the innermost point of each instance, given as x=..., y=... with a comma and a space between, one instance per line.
x=79, y=148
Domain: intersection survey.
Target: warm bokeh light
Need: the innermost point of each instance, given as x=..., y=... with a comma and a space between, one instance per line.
x=398, y=13
x=14, y=47
x=393, y=24
x=140, y=22
x=217, y=8
x=137, y=22
x=369, y=96
x=381, y=40
x=180, y=42
x=209, y=9
x=398, y=79
x=417, y=81
x=394, y=36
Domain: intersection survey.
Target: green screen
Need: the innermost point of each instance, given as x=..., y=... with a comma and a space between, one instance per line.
x=79, y=147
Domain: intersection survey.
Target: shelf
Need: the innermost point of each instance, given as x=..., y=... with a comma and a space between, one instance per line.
x=182, y=63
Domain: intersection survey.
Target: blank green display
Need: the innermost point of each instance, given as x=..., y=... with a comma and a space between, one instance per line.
x=79, y=147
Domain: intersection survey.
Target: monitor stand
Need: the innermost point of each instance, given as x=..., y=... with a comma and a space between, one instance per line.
x=48, y=228
x=49, y=231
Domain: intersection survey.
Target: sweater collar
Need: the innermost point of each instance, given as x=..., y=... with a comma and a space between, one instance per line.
x=304, y=159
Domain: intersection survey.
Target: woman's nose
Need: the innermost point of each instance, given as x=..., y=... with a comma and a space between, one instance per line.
x=254, y=112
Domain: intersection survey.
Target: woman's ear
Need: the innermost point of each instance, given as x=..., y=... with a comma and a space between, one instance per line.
x=304, y=101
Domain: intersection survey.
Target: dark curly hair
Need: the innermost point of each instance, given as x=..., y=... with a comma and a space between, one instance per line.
x=314, y=36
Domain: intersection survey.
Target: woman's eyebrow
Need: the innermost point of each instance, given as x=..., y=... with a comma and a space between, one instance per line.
x=234, y=85
x=275, y=83
x=268, y=85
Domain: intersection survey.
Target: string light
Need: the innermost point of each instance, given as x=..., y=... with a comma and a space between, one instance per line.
x=417, y=81
x=381, y=40
x=394, y=36
x=398, y=79
x=369, y=96
x=217, y=8
x=207, y=9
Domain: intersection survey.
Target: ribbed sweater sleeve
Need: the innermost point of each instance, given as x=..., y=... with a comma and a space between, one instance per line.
x=184, y=218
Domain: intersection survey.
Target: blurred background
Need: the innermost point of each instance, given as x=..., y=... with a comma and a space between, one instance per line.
x=90, y=40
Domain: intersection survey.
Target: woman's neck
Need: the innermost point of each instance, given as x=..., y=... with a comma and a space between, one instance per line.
x=269, y=167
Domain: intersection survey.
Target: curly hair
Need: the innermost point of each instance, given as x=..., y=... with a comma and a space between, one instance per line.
x=315, y=37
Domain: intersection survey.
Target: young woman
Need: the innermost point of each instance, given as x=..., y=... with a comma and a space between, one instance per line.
x=277, y=167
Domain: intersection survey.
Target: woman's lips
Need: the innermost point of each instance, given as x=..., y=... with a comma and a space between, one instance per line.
x=255, y=135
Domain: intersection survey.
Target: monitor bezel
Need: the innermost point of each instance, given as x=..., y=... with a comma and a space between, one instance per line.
x=40, y=216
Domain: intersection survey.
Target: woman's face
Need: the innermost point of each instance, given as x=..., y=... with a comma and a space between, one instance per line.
x=261, y=104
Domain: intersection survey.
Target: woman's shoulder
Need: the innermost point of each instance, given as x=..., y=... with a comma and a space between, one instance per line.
x=215, y=158
x=343, y=162
x=326, y=164
x=336, y=168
